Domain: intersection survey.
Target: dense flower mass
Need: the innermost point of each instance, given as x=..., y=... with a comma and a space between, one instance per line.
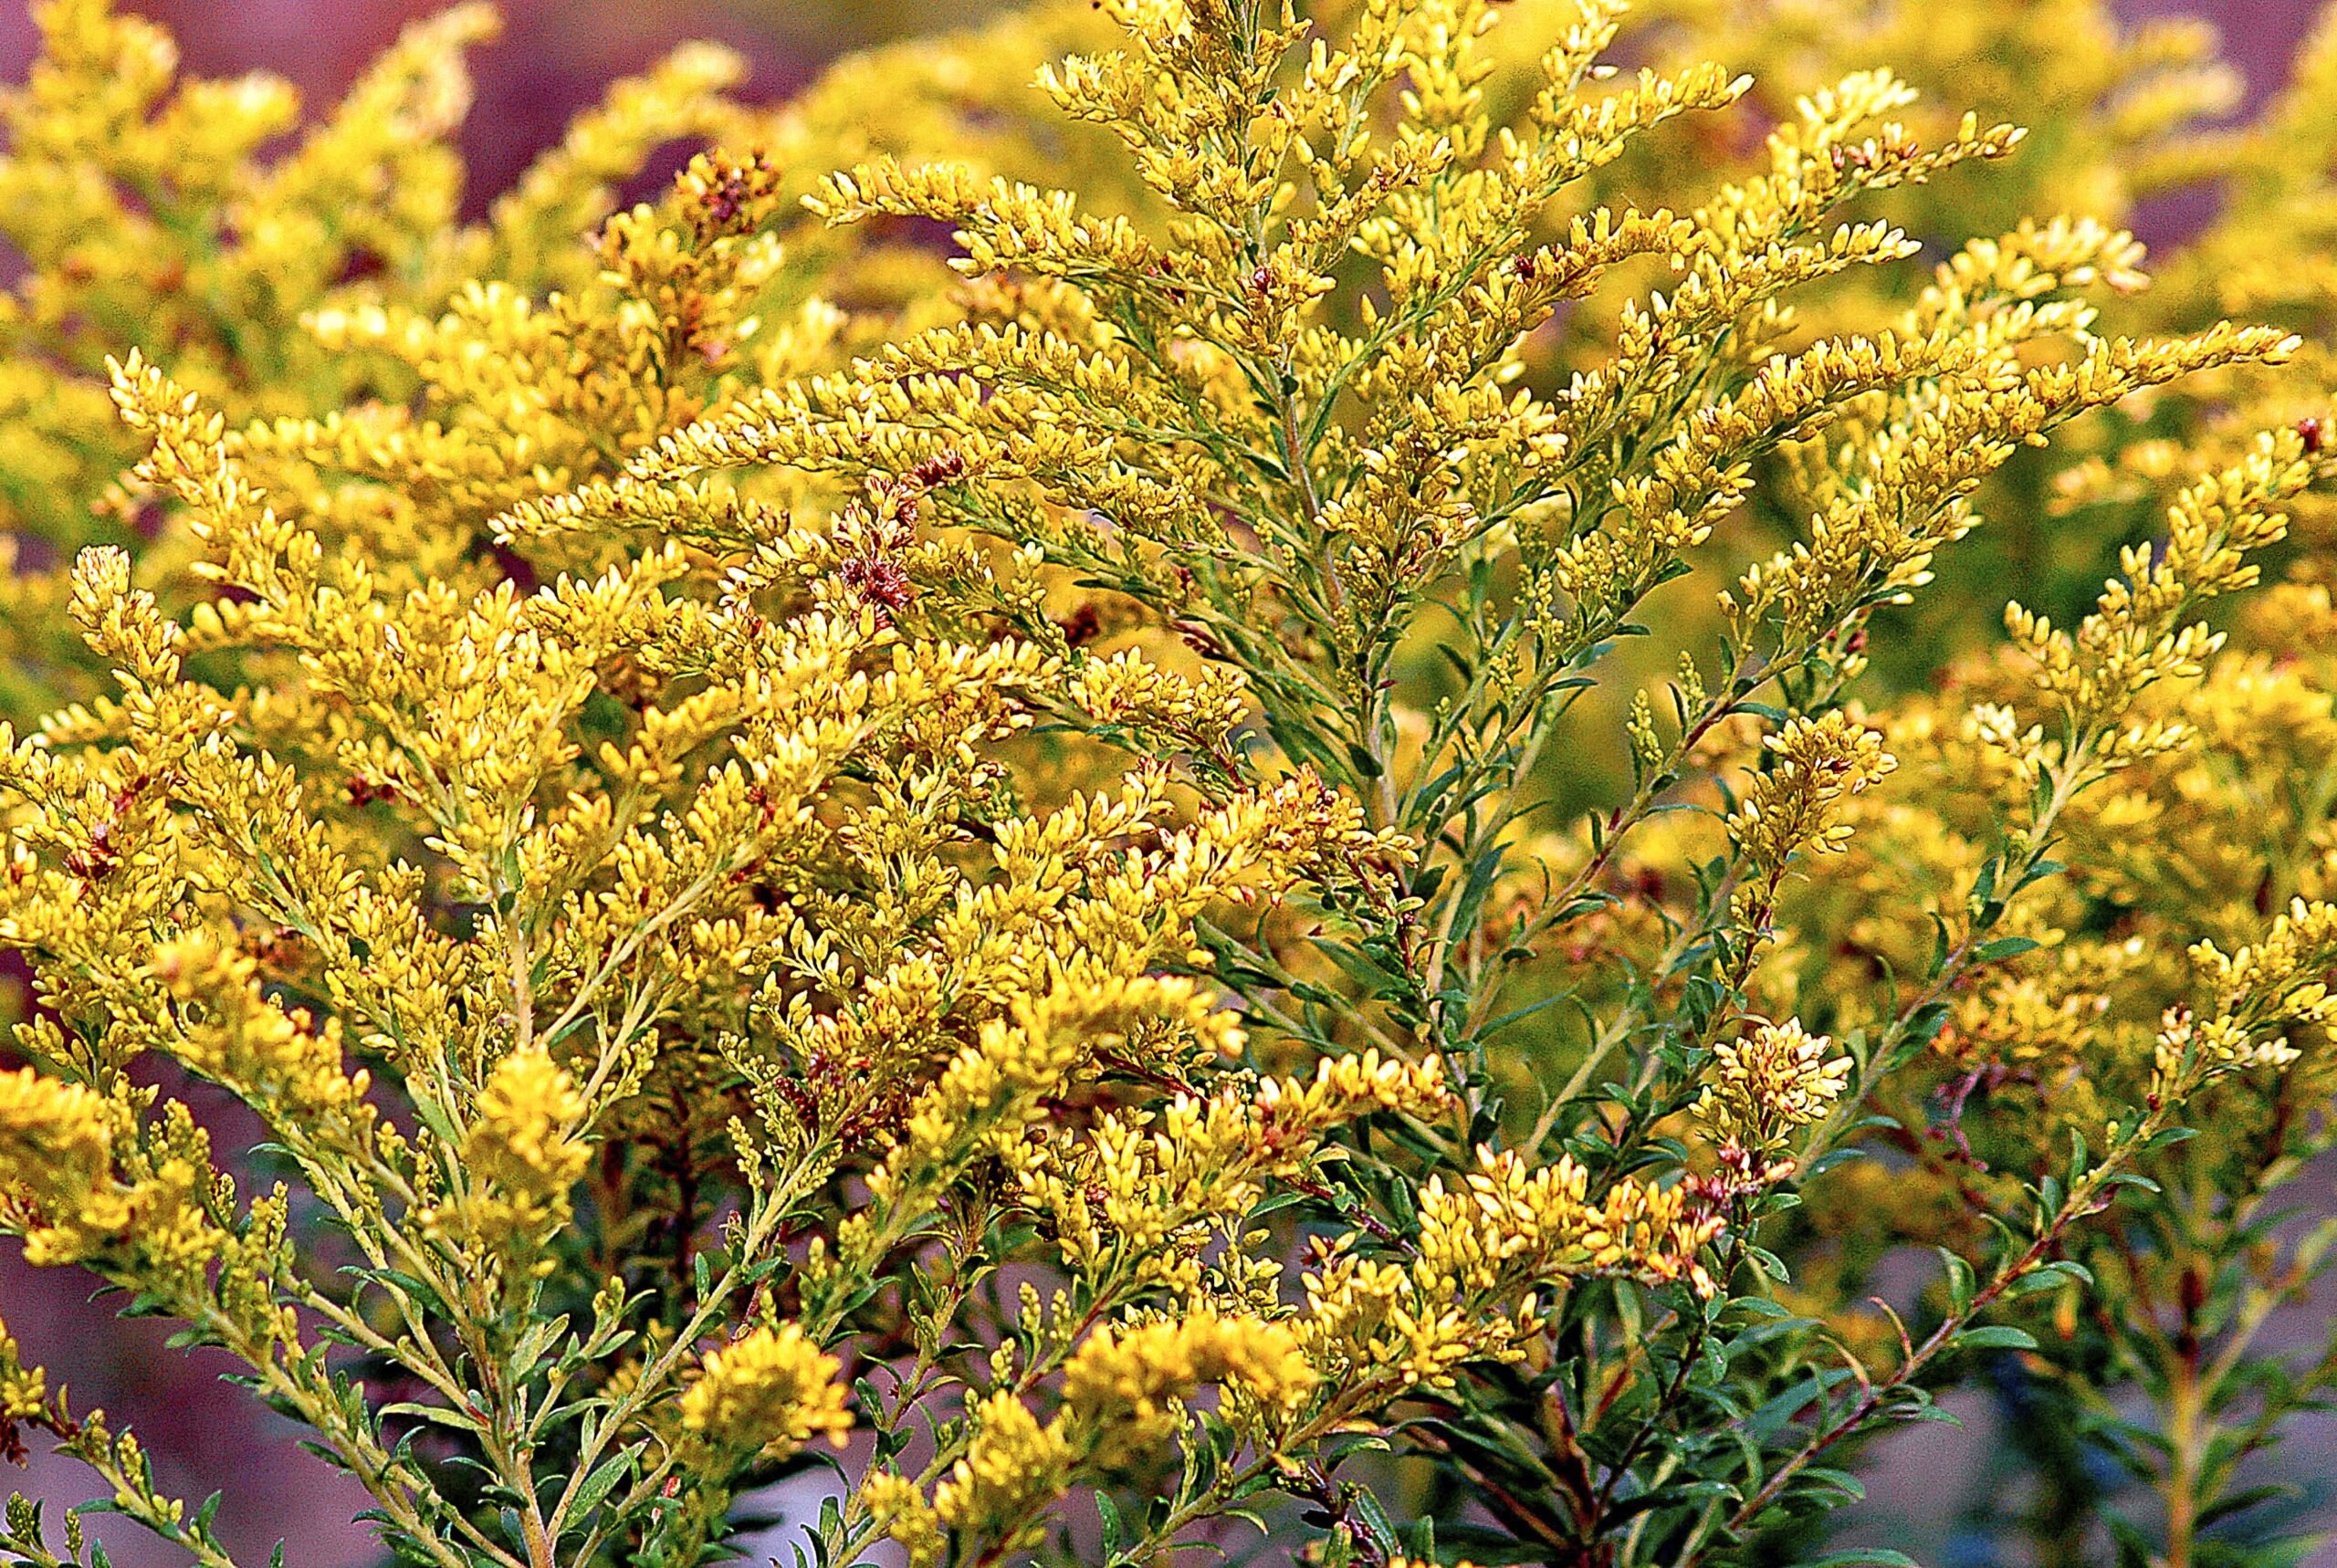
x=1777, y=1078
x=771, y=1390
x=1099, y=770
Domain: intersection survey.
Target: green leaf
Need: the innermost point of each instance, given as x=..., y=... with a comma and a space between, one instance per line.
x=1376, y=1520
x=2240, y=1502
x=1115, y=1532
x=1995, y=1336
x=1671, y=1496
x=600, y=1483
x=1960, y=1284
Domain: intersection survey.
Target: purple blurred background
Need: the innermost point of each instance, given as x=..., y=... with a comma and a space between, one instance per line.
x=553, y=58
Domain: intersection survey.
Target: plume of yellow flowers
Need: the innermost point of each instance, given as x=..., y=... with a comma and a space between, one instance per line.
x=521, y=1158
x=1777, y=1079
x=771, y=1390
x=57, y=1166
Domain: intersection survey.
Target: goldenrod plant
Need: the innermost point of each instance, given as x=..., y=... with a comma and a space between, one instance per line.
x=1131, y=792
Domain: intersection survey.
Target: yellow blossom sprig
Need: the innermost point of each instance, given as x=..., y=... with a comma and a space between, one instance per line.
x=119, y=1459
x=1794, y=807
x=2191, y=1054
x=521, y=1158
x=1487, y=1246
x=771, y=1391
x=1778, y=1079
x=1133, y=1205
x=1122, y=1389
x=2282, y=977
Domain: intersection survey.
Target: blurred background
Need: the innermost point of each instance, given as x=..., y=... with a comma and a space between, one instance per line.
x=1933, y=1489
x=553, y=58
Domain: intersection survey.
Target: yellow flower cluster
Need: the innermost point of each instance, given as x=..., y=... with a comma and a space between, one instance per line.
x=1488, y=1246
x=284, y=1062
x=1794, y=807
x=1118, y=1378
x=57, y=1166
x=1144, y=1193
x=2281, y=977
x=769, y=1392
x=1122, y=1390
x=82, y=1183
x=24, y=1397
x=1540, y=1224
x=23, y=1391
x=521, y=1156
x=1778, y=1078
